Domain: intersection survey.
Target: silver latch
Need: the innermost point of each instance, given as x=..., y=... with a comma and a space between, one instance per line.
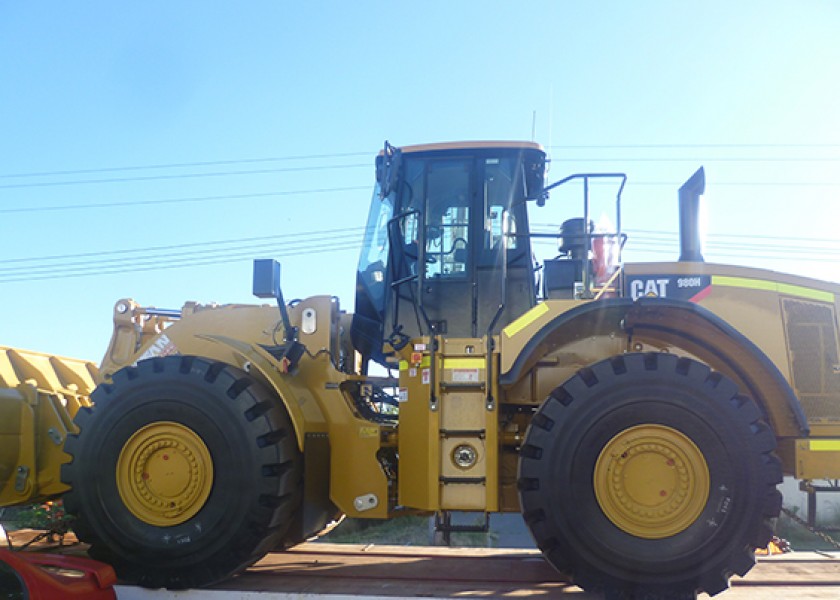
x=365, y=502
x=309, y=321
x=20, y=479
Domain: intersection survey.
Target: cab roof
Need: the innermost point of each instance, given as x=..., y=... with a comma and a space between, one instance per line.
x=470, y=145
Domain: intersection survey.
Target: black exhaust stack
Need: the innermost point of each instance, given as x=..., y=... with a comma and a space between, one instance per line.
x=690, y=192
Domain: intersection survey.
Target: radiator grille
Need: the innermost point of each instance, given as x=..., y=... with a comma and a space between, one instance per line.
x=812, y=343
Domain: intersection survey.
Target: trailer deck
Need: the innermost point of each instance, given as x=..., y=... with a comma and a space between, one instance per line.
x=323, y=571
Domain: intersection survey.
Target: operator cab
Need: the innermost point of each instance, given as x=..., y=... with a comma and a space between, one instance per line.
x=447, y=249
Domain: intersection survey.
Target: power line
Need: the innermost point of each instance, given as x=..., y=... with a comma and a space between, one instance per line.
x=675, y=184
x=738, y=255
x=270, y=159
x=737, y=246
x=555, y=227
x=65, y=207
x=145, y=255
x=186, y=255
x=735, y=236
x=171, y=265
x=665, y=248
x=207, y=163
x=204, y=253
x=275, y=238
x=177, y=176
x=32, y=209
x=700, y=159
x=688, y=146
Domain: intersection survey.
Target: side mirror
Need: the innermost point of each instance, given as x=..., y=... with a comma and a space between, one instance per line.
x=266, y=278
x=267, y=285
x=388, y=169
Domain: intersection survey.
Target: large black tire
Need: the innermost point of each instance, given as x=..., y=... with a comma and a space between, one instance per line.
x=649, y=476
x=236, y=500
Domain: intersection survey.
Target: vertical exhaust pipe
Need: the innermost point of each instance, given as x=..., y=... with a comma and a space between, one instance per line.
x=690, y=192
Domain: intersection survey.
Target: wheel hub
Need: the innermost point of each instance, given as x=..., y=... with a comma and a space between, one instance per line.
x=651, y=481
x=164, y=474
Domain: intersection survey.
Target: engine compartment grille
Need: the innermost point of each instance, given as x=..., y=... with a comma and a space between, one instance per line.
x=811, y=329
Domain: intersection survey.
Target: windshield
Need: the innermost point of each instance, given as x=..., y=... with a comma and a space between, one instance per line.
x=374, y=258
x=444, y=192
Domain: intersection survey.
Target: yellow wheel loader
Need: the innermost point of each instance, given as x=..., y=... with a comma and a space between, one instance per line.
x=639, y=416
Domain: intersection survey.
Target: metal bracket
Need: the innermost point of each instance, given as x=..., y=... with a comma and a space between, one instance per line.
x=365, y=502
x=53, y=434
x=21, y=479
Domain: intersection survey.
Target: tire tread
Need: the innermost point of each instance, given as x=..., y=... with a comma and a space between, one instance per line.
x=276, y=477
x=555, y=537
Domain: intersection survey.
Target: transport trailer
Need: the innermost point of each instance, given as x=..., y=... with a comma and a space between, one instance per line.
x=344, y=571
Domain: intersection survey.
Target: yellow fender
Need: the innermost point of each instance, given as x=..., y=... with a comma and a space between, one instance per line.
x=304, y=412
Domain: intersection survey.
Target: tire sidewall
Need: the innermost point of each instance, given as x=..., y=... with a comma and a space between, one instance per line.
x=612, y=405
x=204, y=407
x=223, y=508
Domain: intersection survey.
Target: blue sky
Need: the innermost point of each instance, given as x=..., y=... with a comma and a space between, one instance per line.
x=151, y=150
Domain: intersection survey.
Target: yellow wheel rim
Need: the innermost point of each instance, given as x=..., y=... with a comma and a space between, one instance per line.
x=164, y=474
x=651, y=481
